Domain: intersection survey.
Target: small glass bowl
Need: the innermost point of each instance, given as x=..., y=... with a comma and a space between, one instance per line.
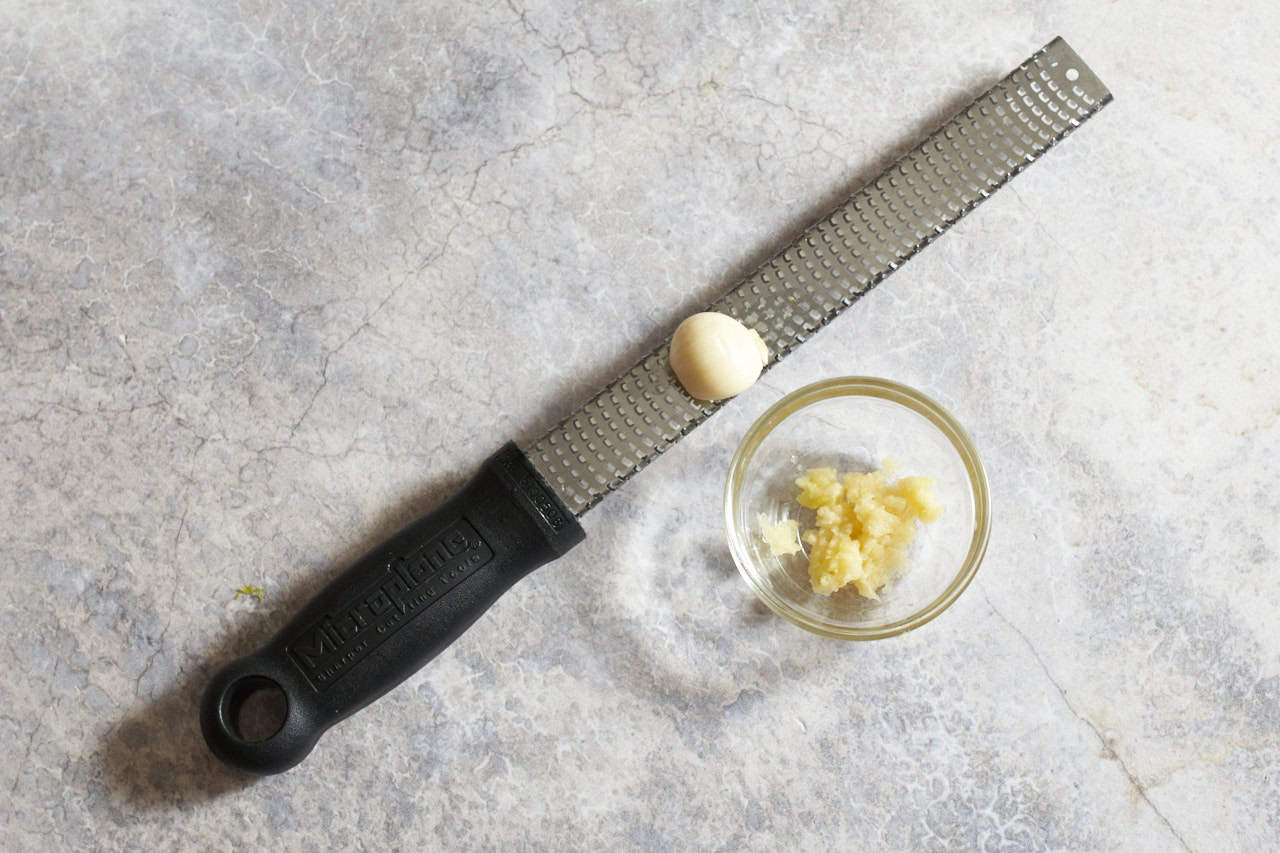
x=857, y=423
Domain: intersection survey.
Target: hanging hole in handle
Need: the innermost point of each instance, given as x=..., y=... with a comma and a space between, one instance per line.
x=256, y=708
x=1072, y=75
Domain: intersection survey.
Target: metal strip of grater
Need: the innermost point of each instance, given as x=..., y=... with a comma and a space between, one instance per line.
x=836, y=260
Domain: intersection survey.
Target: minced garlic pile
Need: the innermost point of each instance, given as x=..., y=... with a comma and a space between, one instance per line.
x=865, y=526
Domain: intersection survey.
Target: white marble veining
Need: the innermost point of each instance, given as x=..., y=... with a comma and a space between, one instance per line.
x=276, y=275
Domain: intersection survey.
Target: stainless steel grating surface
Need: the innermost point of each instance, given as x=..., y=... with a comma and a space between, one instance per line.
x=839, y=258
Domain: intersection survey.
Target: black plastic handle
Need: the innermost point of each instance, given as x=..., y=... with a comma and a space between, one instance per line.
x=398, y=607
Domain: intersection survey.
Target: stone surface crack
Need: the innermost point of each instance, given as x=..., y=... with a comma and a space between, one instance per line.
x=159, y=647
x=364, y=324
x=1035, y=220
x=1109, y=750
x=797, y=115
x=182, y=522
x=26, y=755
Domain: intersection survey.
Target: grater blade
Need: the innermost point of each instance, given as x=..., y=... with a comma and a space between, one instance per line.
x=836, y=260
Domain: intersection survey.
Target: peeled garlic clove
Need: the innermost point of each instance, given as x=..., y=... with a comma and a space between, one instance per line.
x=714, y=356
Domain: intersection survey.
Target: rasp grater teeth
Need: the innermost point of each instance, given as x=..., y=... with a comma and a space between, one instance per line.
x=836, y=260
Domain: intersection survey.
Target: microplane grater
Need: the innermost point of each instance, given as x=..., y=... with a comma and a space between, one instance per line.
x=836, y=260
x=411, y=596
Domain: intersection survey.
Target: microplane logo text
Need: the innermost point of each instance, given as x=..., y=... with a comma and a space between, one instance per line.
x=408, y=585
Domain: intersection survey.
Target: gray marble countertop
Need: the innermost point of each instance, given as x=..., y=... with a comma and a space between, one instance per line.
x=276, y=276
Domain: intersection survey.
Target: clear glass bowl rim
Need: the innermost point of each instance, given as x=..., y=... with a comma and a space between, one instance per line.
x=859, y=386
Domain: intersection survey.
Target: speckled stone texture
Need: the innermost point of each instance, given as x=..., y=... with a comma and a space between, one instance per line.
x=276, y=276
